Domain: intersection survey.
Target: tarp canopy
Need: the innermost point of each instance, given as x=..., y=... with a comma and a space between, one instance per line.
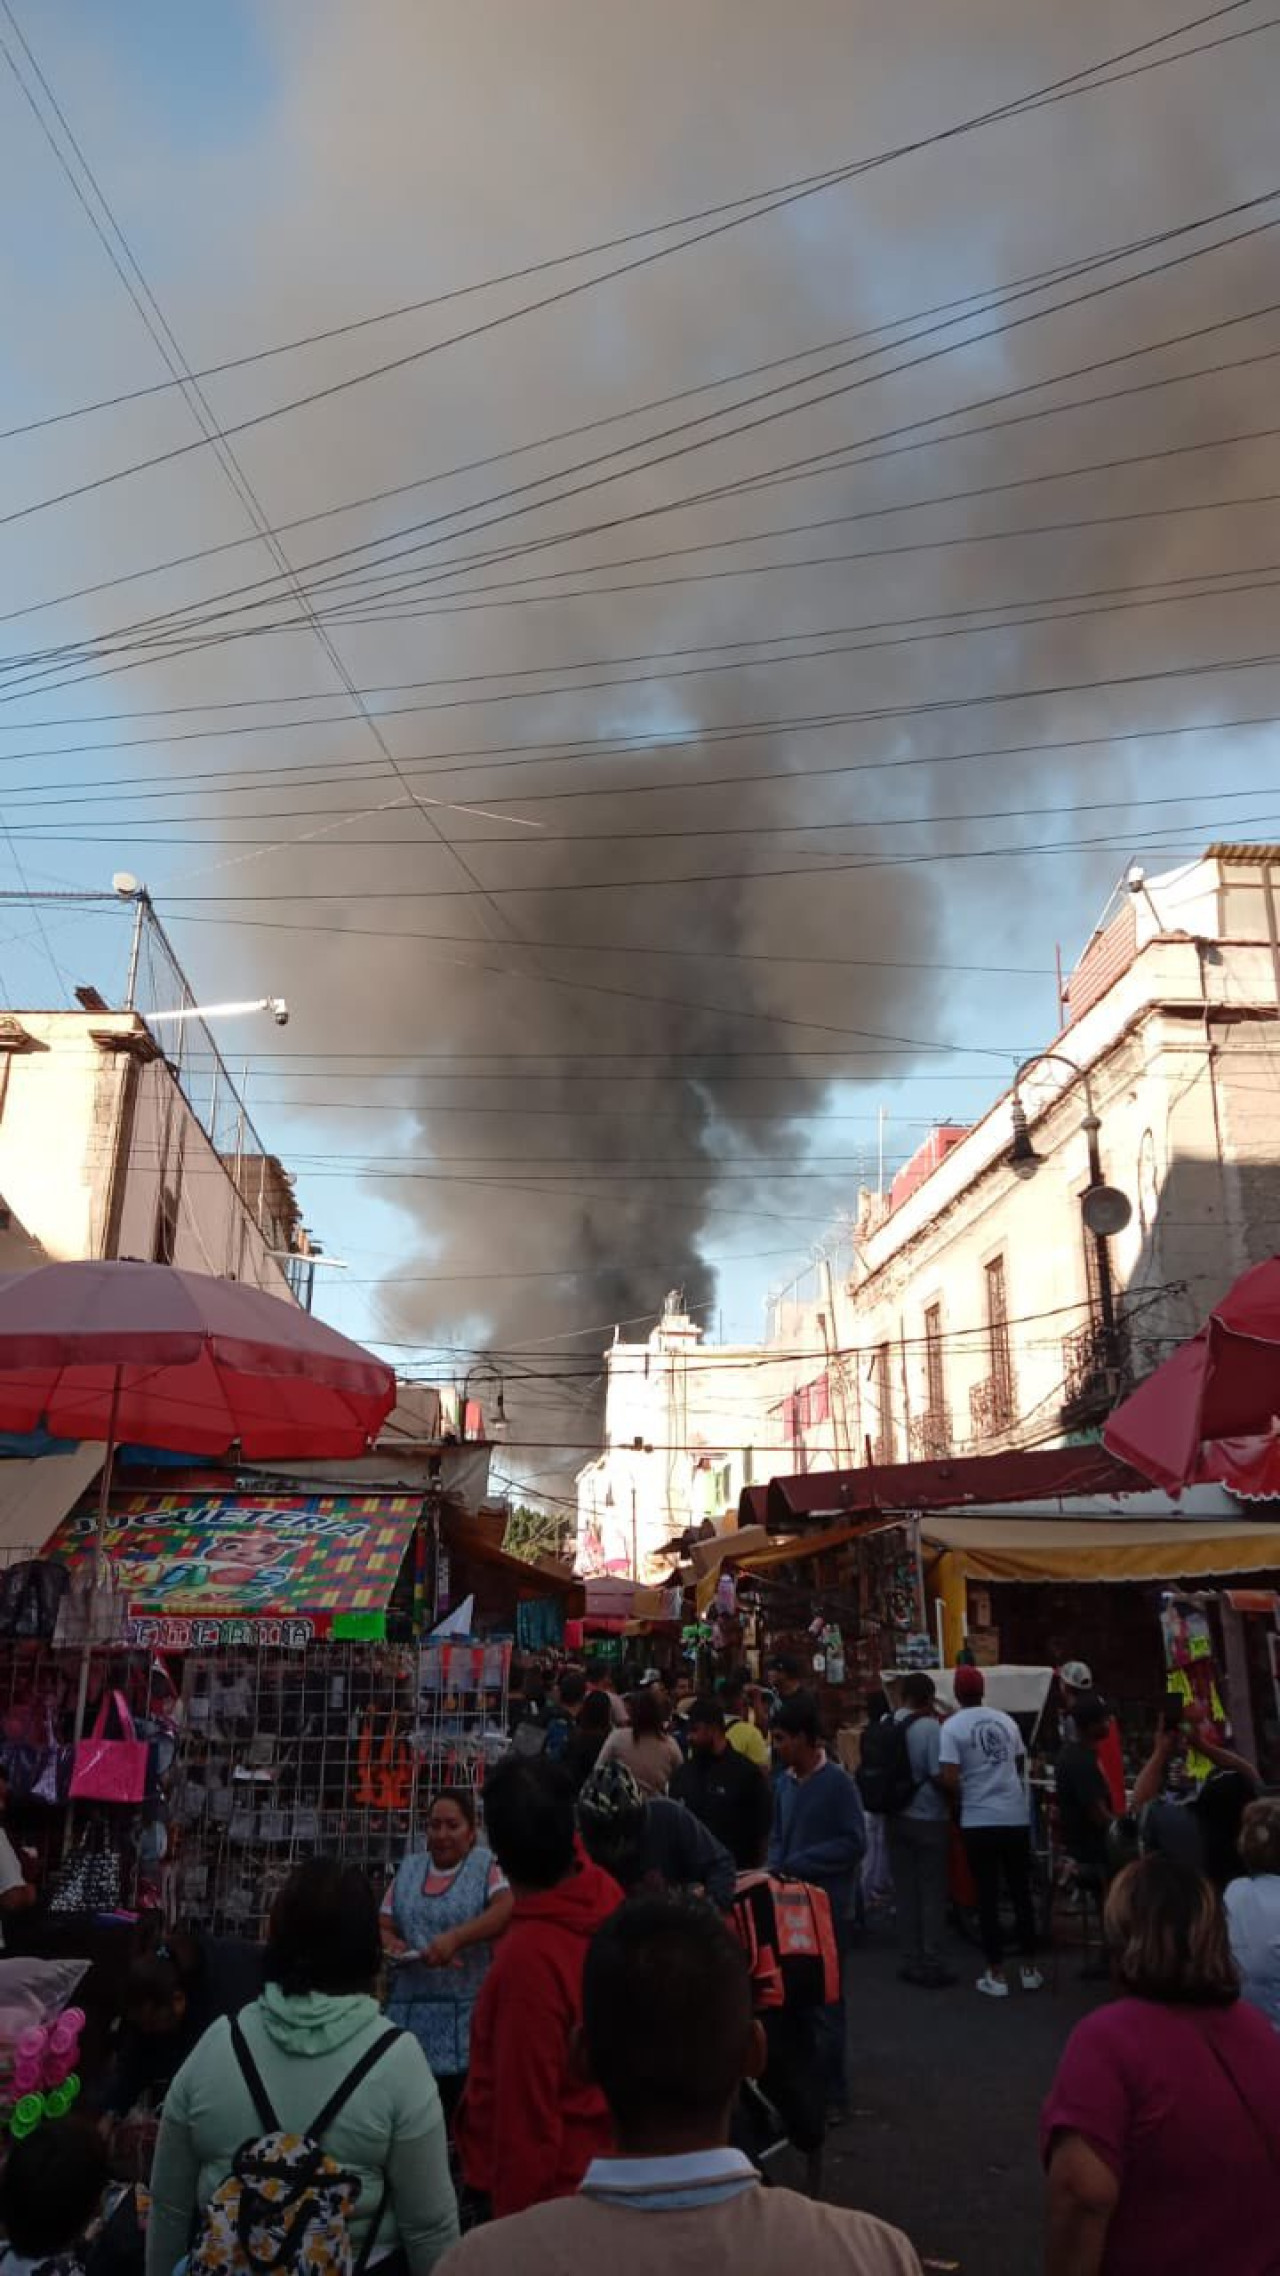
x=1002, y=1545
x=1112, y=1549
x=1042, y=1473
x=200, y=1570
x=996, y=1548
x=1015, y=1690
x=35, y=1496
x=528, y=1579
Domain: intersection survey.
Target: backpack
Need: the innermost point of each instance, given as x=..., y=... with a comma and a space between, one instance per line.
x=559, y=1733
x=787, y=1931
x=886, y=1780
x=286, y=2204
x=529, y=1739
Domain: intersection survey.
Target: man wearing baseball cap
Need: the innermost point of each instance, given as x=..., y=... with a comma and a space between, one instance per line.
x=982, y=1762
x=1075, y=1681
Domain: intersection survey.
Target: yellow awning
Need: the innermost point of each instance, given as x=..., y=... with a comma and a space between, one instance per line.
x=960, y=1549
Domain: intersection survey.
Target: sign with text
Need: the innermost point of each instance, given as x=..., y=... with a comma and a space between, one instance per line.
x=243, y=1562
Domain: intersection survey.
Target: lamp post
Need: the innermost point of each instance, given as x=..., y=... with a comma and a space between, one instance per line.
x=1105, y=1209
x=497, y=1422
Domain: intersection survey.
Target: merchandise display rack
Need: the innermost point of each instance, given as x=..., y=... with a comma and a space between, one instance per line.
x=329, y=1750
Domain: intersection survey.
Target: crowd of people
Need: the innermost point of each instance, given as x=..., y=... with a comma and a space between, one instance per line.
x=564, y=2017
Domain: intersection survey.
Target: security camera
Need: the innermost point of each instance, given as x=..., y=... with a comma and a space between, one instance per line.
x=279, y=1011
x=1137, y=878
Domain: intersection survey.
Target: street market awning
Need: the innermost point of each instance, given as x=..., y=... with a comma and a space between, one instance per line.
x=1115, y=1549
x=199, y=1570
x=960, y=1549
x=36, y=1494
x=1046, y=1473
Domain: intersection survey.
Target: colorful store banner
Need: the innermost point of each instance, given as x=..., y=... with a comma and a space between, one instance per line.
x=198, y=1570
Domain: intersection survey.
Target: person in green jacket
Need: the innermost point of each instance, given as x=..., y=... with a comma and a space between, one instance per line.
x=315, y=2019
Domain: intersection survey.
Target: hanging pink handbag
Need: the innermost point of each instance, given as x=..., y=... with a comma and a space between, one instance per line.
x=110, y=1770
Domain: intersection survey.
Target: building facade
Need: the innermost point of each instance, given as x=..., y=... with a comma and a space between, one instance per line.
x=983, y=1311
x=983, y=1308
x=104, y=1154
x=687, y=1425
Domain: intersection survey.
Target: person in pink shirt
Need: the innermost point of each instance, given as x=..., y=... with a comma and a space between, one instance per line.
x=1161, y=2132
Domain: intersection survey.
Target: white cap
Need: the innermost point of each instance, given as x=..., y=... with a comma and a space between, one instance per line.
x=1077, y=1674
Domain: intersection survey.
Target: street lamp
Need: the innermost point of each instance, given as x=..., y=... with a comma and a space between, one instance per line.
x=1104, y=1208
x=497, y=1422
x=276, y=1005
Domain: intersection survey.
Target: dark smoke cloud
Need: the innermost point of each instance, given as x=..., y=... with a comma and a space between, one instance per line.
x=407, y=149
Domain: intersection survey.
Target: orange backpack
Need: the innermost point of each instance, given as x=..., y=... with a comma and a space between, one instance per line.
x=788, y=1934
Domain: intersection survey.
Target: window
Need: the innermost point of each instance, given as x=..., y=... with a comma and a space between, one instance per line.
x=1001, y=1358
x=935, y=1388
x=882, y=1403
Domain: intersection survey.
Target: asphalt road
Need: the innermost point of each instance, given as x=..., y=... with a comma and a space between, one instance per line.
x=946, y=2089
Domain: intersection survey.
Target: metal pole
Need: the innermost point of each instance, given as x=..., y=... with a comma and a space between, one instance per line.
x=99, y=1554
x=141, y=911
x=1106, y=1292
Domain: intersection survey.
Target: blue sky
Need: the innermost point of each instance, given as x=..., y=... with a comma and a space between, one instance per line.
x=280, y=172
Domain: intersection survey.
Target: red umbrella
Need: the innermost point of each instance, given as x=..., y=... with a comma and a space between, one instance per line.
x=1212, y=1412
x=145, y=1354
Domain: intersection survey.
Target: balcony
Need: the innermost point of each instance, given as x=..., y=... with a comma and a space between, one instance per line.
x=991, y=1406
x=1097, y=1372
x=930, y=1435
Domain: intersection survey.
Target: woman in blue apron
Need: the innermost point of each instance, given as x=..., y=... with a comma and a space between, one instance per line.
x=440, y=1915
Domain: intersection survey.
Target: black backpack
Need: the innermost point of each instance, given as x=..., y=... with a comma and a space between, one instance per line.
x=886, y=1780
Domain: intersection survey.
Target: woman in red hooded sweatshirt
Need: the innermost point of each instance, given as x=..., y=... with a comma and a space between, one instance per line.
x=528, y=2126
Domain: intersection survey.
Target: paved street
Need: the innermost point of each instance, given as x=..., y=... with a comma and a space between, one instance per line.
x=946, y=2089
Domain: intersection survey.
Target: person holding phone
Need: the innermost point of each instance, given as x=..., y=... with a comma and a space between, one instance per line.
x=1202, y=1829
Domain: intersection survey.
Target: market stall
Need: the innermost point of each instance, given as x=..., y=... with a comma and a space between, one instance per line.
x=1101, y=1589
x=279, y=1632
x=844, y=1603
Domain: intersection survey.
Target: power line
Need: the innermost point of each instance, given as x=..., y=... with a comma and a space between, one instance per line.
x=36, y=834
x=182, y=622
x=808, y=184
x=1017, y=287
x=924, y=545
x=1173, y=840
x=1072, y=525
x=942, y=624
x=1082, y=81
x=161, y=332
x=172, y=786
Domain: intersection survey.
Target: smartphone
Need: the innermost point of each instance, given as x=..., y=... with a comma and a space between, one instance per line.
x=1173, y=1713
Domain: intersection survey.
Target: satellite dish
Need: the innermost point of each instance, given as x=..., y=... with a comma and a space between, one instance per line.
x=125, y=884
x=1106, y=1210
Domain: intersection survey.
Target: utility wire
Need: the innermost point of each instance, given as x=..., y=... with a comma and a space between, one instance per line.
x=34, y=834
x=1172, y=840
x=1082, y=81
x=708, y=545
x=973, y=302
x=127, y=268
x=1053, y=605
x=181, y=623
x=810, y=184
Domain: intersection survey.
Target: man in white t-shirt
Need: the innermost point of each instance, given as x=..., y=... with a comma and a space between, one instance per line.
x=983, y=1763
